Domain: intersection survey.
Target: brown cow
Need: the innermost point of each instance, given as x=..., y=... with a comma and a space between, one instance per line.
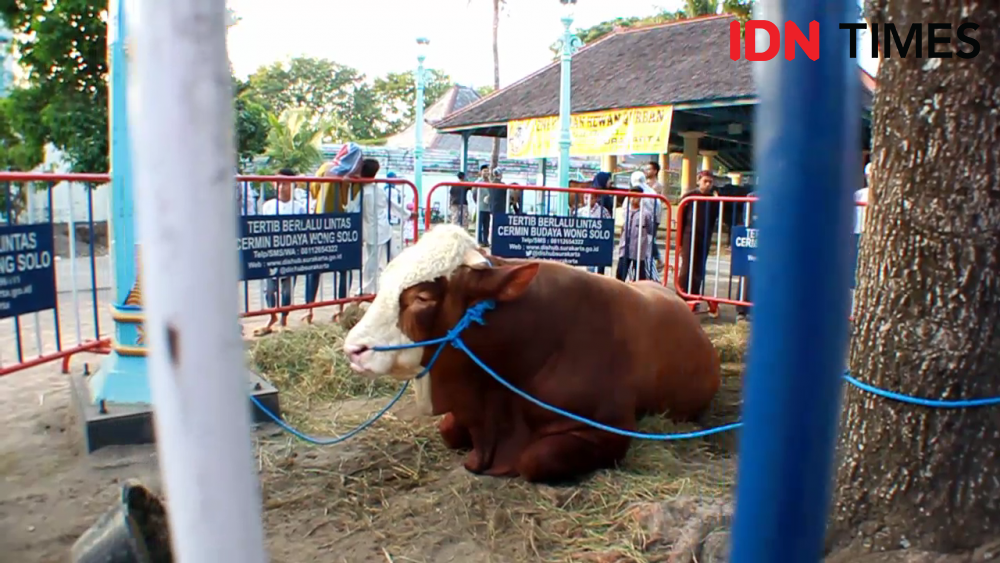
x=591, y=345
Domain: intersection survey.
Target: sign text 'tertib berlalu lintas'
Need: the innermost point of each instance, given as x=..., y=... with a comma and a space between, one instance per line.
x=292, y=245
x=577, y=241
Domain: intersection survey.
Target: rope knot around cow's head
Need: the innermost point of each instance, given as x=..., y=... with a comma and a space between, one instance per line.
x=473, y=314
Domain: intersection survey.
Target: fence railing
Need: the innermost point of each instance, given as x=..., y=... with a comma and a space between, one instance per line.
x=716, y=245
x=317, y=242
x=56, y=278
x=616, y=233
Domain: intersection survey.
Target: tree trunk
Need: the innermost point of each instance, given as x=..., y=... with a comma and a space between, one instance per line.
x=928, y=301
x=495, y=155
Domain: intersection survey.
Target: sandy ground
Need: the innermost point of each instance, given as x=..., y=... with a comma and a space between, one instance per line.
x=51, y=491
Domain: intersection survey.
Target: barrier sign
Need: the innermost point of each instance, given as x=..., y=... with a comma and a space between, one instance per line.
x=27, y=269
x=292, y=245
x=577, y=241
x=744, y=251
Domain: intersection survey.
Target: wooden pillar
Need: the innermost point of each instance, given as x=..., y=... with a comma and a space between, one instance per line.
x=708, y=160
x=689, y=164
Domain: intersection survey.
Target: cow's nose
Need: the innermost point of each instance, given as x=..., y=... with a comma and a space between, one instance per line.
x=355, y=353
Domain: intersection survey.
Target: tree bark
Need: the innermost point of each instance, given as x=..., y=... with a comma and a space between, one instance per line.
x=928, y=300
x=495, y=155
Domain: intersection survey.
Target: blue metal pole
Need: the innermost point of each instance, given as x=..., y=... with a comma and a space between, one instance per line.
x=807, y=151
x=418, y=126
x=122, y=377
x=570, y=43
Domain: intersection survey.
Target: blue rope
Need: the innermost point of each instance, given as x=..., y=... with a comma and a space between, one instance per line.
x=336, y=439
x=932, y=403
x=474, y=314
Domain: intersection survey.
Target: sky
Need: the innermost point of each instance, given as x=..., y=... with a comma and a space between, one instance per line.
x=458, y=30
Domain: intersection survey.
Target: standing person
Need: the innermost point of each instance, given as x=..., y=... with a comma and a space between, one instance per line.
x=516, y=197
x=332, y=197
x=397, y=216
x=702, y=216
x=602, y=181
x=860, y=197
x=637, y=237
x=652, y=172
x=592, y=209
x=498, y=202
x=374, y=206
x=283, y=204
x=638, y=180
x=458, y=204
x=482, y=199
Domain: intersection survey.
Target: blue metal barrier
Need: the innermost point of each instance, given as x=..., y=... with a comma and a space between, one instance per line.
x=807, y=154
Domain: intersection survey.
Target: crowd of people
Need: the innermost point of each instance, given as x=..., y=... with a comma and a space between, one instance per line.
x=380, y=217
x=639, y=256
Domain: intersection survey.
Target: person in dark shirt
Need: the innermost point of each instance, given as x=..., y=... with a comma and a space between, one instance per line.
x=458, y=203
x=700, y=215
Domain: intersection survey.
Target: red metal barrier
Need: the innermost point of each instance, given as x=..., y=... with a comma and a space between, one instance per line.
x=619, y=195
x=716, y=229
x=72, y=324
x=706, y=232
x=49, y=340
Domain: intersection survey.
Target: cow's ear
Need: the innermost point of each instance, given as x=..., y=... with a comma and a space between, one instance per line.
x=507, y=283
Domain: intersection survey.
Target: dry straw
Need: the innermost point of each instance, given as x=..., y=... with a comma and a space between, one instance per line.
x=398, y=482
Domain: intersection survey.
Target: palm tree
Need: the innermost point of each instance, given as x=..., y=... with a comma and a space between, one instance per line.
x=294, y=140
x=497, y=6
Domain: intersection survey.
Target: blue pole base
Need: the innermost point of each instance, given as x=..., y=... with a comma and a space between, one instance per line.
x=116, y=423
x=120, y=379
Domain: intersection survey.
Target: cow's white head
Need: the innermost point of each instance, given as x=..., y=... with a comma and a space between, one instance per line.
x=439, y=253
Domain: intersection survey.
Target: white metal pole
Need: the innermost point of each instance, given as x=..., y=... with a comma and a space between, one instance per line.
x=181, y=108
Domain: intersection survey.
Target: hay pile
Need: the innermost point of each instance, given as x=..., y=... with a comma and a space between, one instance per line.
x=397, y=482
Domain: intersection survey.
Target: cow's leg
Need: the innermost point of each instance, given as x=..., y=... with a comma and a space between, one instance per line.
x=560, y=457
x=456, y=436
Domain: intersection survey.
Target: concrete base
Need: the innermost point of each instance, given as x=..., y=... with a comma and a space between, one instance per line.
x=127, y=424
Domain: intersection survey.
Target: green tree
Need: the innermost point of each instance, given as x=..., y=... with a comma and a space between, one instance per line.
x=327, y=90
x=252, y=126
x=396, y=94
x=294, y=141
x=62, y=45
x=926, y=317
x=485, y=90
x=692, y=8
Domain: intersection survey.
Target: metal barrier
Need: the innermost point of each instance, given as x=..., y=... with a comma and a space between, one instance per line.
x=707, y=230
x=56, y=276
x=53, y=274
x=716, y=237
x=334, y=195
x=602, y=223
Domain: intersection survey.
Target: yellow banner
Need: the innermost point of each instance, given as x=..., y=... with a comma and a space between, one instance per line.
x=601, y=133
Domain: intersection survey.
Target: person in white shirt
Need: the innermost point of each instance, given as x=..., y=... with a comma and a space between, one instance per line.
x=861, y=196
x=482, y=199
x=374, y=205
x=655, y=209
x=652, y=172
x=284, y=204
x=397, y=216
x=592, y=209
